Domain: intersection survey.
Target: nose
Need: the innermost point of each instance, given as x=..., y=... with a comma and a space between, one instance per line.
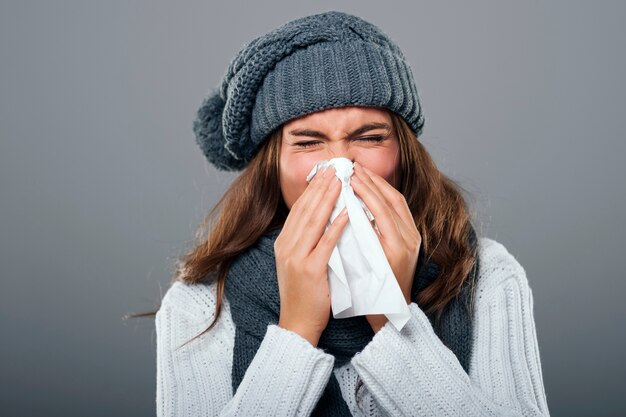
x=341, y=149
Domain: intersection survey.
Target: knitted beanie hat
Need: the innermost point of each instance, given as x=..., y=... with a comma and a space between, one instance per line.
x=330, y=59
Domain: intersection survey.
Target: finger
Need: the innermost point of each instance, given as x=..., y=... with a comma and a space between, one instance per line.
x=329, y=239
x=394, y=197
x=312, y=213
x=317, y=220
x=302, y=205
x=404, y=217
x=384, y=215
x=403, y=229
x=310, y=199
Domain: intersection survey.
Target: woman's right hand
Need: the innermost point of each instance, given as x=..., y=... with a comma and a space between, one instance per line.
x=302, y=251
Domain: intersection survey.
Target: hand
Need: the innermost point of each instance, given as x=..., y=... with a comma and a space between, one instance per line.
x=398, y=236
x=302, y=251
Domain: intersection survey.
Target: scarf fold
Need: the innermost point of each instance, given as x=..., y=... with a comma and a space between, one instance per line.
x=251, y=288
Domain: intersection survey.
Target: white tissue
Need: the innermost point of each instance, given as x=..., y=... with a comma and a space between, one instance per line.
x=360, y=278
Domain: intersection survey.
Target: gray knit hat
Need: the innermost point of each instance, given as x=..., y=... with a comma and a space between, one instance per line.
x=330, y=59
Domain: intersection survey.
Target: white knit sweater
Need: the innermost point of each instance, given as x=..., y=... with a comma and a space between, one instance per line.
x=406, y=373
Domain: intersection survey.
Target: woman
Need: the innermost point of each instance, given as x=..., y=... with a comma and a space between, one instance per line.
x=246, y=327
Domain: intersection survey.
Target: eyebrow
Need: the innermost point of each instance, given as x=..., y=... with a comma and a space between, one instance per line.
x=317, y=134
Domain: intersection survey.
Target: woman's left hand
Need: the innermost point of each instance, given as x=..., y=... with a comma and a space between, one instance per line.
x=398, y=236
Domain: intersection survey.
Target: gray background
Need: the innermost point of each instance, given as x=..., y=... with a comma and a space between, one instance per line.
x=102, y=184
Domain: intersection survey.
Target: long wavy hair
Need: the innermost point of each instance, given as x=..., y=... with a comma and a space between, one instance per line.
x=254, y=203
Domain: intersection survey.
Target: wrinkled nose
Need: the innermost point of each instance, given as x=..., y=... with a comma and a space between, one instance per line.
x=340, y=150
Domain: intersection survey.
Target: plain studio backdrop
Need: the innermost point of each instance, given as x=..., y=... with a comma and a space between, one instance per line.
x=102, y=184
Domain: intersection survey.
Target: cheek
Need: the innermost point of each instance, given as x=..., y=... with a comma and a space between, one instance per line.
x=383, y=162
x=293, y=172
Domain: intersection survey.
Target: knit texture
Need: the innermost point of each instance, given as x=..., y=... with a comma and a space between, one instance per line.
x=252, y=288
x=410, y=372
x=326, y=60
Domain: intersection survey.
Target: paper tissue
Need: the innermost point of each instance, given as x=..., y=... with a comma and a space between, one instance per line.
x=360, y=278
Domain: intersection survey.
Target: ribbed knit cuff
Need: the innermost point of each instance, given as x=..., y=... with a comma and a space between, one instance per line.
x=389, y=344
x=289, y=366
x=414, y=356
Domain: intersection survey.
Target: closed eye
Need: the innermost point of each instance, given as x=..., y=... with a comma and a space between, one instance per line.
x=372, y=138
x=363, y=138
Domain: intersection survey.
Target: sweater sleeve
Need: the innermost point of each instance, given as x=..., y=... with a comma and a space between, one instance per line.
x=358, y=398
x=285, y=378
x=412, y=372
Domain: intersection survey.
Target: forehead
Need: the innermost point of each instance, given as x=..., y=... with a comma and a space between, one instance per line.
x=340, y=118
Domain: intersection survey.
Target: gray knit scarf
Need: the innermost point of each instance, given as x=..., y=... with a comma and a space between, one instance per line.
x=251, y=288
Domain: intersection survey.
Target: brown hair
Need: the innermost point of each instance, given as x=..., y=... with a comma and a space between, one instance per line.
x=254, y=203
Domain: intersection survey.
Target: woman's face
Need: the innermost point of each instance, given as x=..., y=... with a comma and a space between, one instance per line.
x=361, y=134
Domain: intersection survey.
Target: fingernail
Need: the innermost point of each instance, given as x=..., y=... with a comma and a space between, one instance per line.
x=344, y=212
